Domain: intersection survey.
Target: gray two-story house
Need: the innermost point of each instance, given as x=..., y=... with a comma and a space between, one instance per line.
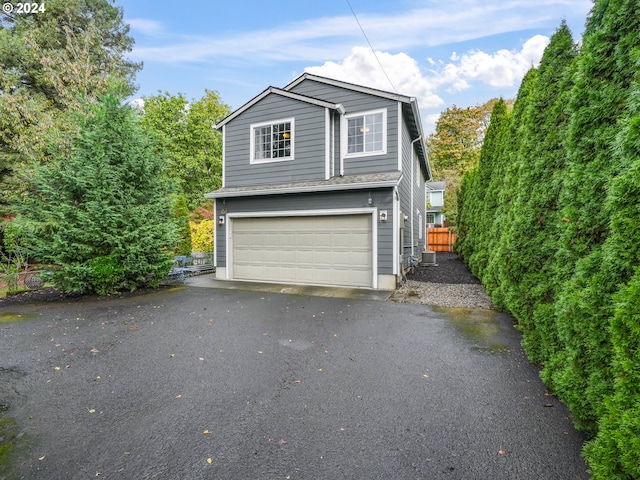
x=323, y=184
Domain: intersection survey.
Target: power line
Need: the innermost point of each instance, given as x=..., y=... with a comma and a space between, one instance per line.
x=371, y=47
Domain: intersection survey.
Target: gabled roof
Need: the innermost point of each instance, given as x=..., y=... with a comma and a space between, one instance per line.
x=436, y=185
x=282, y=93
x=410, y=109
x=349, y=86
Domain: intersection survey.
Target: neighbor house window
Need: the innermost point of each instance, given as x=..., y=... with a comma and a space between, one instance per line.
x=431, y=218
x=367, y=133
x=272, y=142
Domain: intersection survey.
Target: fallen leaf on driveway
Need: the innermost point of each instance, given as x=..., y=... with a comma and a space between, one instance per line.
x=178, y=396
x=206, y=432
x=548, y=404
x=94, y=350
x=209, y=461
x=501, y=452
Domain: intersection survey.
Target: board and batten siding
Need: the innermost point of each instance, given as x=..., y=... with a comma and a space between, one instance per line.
x=308, y=142
x=356, y=102
x=382, y=199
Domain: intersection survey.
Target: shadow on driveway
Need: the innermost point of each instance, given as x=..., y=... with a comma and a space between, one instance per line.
x=203, y=383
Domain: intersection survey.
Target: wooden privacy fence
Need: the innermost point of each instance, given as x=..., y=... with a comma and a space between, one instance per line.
x=440, y=239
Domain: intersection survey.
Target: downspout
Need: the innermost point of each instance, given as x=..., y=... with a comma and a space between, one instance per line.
x=341, y=110
x=413, y=180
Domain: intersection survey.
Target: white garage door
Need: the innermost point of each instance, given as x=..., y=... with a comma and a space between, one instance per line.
x=322, y=250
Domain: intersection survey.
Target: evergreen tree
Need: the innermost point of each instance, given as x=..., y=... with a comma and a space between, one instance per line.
x=102, y=217
x=181, y=216
x=615, y=453
x=481, y=204
x=54, y=64
x=580, y=371
x=531, y=234
x=503, y=187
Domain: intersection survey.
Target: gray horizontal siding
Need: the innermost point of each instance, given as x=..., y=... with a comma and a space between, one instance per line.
x=308, y=138
x=381, y=198
x=355, y=102
x=419, y=199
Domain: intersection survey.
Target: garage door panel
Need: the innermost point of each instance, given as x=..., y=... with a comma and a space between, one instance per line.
x=327, y=250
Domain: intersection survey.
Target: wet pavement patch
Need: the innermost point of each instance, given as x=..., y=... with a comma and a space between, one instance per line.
x=10, y=317
x=478, y=326
x=13, y=444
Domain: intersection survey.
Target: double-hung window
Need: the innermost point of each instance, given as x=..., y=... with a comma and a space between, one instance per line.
x=272, y=141
x=367, y=133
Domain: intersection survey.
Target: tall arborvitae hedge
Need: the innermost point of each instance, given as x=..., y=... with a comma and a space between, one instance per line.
x=580, y=370
x=615, y=453
x=567, y=261
x=503, y=186
x=476, y=215
x=530, y=237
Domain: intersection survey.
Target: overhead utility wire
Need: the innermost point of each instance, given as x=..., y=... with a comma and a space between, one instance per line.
x=371, y=47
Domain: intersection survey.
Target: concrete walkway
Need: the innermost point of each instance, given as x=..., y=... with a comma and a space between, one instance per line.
x=210, y=281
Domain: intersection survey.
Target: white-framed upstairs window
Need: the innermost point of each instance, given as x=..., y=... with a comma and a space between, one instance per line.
x=272, y=141
x=366, y=133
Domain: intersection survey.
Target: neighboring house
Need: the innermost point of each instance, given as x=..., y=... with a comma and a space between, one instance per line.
x=323, y=184
x=435, y=204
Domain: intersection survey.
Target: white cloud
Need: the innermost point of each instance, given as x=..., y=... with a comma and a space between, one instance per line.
x=146, y=26
x=404, y=74
x=504, y=68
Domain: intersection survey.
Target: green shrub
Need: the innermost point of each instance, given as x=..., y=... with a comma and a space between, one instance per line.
x=101, y=217
x=106, y=275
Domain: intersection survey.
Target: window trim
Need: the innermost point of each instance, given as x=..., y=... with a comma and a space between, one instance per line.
x=252, y=141
x=345, y=133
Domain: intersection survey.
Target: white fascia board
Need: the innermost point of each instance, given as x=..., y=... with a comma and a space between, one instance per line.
x=282, y=93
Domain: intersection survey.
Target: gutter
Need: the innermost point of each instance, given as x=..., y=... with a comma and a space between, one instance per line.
x=413, y=247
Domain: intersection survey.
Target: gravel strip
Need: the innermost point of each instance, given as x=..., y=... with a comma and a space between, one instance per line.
x=449, y=284
x=457, y=295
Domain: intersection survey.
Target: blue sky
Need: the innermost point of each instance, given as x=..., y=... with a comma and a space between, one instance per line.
x=458, y=52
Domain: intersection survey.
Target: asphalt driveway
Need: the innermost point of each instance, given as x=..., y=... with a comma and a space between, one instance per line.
x=199, y=383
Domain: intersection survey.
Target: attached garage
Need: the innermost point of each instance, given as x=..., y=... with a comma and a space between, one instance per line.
x=315, y=249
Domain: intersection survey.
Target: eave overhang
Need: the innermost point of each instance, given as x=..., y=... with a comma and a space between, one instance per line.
x=348, y=182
